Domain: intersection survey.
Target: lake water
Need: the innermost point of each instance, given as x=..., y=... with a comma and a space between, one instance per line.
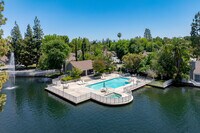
x=30, y=109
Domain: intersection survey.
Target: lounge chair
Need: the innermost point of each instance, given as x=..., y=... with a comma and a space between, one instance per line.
x=65, y=86
x=102, y=77
x=80, y=82
x=58, y=83
x=104, y=90
x=83, y=82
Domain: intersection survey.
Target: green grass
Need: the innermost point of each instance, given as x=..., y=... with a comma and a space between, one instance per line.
x=157, y=83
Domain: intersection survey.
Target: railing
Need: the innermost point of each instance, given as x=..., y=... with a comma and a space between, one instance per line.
x=112, y=101
x=129, y=88
x=87, y=96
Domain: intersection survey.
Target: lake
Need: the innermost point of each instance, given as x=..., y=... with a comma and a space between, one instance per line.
x=30, y=109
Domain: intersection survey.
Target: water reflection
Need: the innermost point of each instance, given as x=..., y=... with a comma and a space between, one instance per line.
x=31, y=109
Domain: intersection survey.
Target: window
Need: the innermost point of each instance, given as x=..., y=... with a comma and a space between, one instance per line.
x=197, y=78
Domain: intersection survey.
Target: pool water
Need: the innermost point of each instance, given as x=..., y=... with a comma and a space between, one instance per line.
x=112, y=83
x=114, y=95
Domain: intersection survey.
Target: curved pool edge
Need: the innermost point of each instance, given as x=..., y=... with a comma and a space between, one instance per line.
x=116, y=104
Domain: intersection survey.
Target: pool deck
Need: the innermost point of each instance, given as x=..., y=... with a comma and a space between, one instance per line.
x=80, y=93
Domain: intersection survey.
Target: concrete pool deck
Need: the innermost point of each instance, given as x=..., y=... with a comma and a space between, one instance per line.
x=80, y=93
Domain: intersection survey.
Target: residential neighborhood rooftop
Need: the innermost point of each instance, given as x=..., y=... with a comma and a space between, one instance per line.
x=82, y=65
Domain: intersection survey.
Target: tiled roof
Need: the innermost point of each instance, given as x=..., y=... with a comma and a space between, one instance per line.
x=197, y=67
x=82, y=65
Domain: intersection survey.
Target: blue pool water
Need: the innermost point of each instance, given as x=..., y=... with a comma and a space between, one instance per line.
x=112, y=83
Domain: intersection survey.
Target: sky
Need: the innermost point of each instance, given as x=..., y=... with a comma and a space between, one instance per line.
x=98, y=19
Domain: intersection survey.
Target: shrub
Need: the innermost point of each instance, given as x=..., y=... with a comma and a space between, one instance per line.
x=75, y=73
x=66, y=78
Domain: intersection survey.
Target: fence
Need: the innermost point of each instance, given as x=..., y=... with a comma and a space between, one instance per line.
x=112, y=101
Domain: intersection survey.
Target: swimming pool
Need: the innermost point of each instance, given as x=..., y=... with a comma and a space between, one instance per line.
x=112, y=83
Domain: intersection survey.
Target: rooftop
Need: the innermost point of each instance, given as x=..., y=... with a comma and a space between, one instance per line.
x=82, y=65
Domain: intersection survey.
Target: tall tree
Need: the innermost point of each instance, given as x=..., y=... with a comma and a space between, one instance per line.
x=119, y=35
x=132, y=62
x=16, y=41
x=83, y=48
x=2, y=18
x=195, y=35
x=75, y=43
x=76, y=49
x=147, y=34
x=27, y=49
x=37, y=36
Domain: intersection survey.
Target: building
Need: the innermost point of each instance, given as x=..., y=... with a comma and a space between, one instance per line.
x=112, y=55
x=195, y=71
x=86, y=66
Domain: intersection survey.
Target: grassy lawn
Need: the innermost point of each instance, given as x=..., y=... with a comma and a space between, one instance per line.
x=158, y=83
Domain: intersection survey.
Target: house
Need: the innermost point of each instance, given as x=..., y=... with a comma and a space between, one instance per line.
x=86, y=66
x=112, y=55
x=195, y=71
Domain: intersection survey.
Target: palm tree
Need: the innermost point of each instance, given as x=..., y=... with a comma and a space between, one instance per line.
x=119, y=35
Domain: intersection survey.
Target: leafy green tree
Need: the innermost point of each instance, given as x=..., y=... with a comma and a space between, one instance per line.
x=132, y=62
x=195, y=35
x=109, y=64
x=16, y=42
x=37, y=37
x=181, y=58
x=3, y=51
x=48, y=38
x=165, y=62
x=173, y=60
x=136, y=45
x=99, y=65
x=119, y=35
x=147, y=34
x=3, y=79
x=121, y=48
x=2, y=18
x=54, y=54
x=4, y=47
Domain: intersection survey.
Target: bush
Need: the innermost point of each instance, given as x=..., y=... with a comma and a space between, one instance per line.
x=97, y=74
x=54, y=75
x=75, y=73
x=67, y=78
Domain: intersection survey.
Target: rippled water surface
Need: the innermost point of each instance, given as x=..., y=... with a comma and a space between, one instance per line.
x=30, y=109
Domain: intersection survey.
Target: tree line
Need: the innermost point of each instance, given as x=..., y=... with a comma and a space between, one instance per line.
x=160, y=57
